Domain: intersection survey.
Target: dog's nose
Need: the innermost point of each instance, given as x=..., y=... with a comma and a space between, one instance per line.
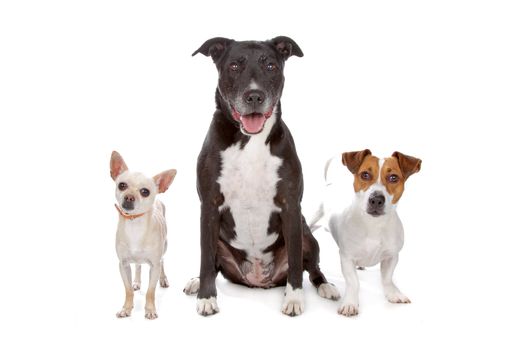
x=376, y=201
x=254, y=97
x=129, y=198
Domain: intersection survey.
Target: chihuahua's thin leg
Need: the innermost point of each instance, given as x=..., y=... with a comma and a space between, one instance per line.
x=163, y=281
x=154, y=274
x=136, y=282
x=125, y=272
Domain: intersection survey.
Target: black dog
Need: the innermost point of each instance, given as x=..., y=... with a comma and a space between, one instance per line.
x=250, y=182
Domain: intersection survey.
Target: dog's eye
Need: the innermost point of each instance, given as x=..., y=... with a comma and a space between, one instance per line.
x=122, y=186
x=144, y=192
x=234, y=67
x=270, y=67
x=393, y=178
x=365, y=175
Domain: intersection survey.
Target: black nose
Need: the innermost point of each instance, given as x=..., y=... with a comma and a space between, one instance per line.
x=254, y=97
x=129, y=202
x=376, y=201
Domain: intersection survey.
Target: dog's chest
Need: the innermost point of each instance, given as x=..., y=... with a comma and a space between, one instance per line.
x=248, y=182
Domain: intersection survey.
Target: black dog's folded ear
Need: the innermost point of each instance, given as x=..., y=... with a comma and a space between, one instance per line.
x=214, y=47
x=286, y=47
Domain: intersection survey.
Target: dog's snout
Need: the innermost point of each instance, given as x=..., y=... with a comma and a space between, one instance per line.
x=129, y=202
x=376, y=201
x=254, y=97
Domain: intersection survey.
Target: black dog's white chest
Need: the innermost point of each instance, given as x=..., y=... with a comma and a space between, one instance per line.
x=248, y=182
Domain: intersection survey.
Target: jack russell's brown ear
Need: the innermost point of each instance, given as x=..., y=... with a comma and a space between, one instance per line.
x=116, y=165
x=409, y=165
x=353, y=160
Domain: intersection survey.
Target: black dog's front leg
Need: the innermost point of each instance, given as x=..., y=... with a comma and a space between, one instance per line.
x=293, y=233
x=210, y=226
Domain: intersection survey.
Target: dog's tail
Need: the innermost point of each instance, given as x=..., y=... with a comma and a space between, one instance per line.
x=331, y=170
x=314, y=222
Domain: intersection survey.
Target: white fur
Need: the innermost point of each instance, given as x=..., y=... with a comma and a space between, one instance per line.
x=253, y=85
x=207, y=306
x=328, y=291
x=248, y=181
x=293, y=304
x=363, y=240
x=192, y=287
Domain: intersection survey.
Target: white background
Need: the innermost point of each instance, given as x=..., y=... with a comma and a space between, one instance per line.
x=442, y=80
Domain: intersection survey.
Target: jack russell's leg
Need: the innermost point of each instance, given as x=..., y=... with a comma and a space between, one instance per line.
x=350, y=304
x=125, y=273
x=392, y=293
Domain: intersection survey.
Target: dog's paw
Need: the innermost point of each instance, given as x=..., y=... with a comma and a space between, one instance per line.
x=124, y=313
x=293, y=304
x=192, y=287
x=207, y=307
x=151, y=314
x=397, y=298
x=164, y=282
x=328, y=291
x=348, y=310
x=136, y=286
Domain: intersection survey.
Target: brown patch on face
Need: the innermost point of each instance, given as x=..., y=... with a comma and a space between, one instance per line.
x=392, y=178
x=367, y=173
x=395, y=172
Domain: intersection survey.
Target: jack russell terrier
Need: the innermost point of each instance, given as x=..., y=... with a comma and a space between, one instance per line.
x=141, y=232
x=365, y=225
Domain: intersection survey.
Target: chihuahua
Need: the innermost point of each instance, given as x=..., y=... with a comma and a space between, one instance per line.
x=142, y=231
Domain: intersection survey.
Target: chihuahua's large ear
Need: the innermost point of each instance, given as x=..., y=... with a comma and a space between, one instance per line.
x=353, y=160
x=116, y=165
x=286, y=47
x=214, y=47
x=409, y=165
x=164, y=179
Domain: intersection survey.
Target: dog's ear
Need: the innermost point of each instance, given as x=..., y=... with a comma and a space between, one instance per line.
x=286, y=47
x=116, y=165
x=409, y=165
x=353, y=160
x=214, y=47
x=164, y=179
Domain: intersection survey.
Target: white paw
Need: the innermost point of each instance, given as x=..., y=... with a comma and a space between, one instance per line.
x=206, y=307
x=151, y=314
x=328, y=291
x=348, y=310
x=136, y=286
x=293, y=304
x=164, y=282
x=192, y=287
x=397, y=298
x=124, y=313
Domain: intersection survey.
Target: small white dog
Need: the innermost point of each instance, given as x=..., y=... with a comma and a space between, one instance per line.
x=360, y=212
x=141, y=232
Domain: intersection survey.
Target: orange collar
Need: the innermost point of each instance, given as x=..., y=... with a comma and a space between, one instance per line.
x=127, y=216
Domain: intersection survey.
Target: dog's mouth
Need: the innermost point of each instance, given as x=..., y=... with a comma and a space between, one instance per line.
x=375, y=213
x=252, y=123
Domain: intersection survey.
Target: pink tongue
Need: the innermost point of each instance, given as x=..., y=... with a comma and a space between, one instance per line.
x=253, y=123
